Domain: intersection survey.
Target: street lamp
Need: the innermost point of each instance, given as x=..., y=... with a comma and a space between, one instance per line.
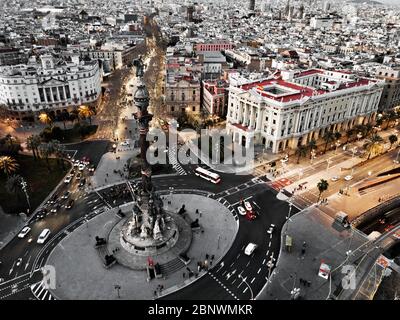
x=288, y=217
x=117, y=287
x=329, y=161
x=24, y=186
x=248, y=286
x=337, y=144
x=313, y=155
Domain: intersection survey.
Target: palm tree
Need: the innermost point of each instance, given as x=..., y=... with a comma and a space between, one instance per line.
x=86, y=112
x=45, y=118
x=322, y=186
x=349, y=133
x=13, y=185
x=373, y=144
x=328, y=138
x=392, y=139
x=32, y=143
x=311, y=145
x=301, y=151
x=390, y=116
x=337, y=135
x=46, y=150
x=368, y=129
x=59, y=152
x=8, y=165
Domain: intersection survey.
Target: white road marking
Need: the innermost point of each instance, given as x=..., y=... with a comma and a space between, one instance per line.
x=253, y=280
x=259, y=270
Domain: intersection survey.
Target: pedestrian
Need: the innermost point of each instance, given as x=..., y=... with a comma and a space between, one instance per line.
x=206, y=256
x=183, y=275
x=155, y=293
x=212, y=257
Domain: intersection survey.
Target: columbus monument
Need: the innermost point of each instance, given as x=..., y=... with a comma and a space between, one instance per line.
x=149, y=231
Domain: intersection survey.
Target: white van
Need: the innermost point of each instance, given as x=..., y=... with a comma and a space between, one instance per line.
x=43, y=236
x=250, y=249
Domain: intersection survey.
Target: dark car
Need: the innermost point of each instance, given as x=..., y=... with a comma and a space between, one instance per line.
x=82, y=182
x=70, y=204
x=41, y=213
x=53, y=199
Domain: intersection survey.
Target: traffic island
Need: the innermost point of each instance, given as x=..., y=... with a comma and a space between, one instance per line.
x=206, y=227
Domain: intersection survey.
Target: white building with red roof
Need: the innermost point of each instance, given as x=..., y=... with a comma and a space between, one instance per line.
x=292, y=107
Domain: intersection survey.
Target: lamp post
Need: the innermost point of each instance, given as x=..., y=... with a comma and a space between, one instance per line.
x=24, y=186
x=248, y=286
x=313, y=155
x=288, y=218
x=337, y=144
x=117, y=287
x=329, y=161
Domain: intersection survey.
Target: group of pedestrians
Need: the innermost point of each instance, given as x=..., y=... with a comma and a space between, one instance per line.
x=205, y=264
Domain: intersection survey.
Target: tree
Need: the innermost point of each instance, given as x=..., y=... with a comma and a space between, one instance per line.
x=46, y=150
x=337, y=135
x=311, y=145
x=45, y=118
x=86, y=112
x=8, y=165
x=322, y=186
x=328, y=138
x=32, y=143
x=13, y=185
x=389, y=117
x=349, y=133
x=64, y=116
x=368, y=129
x=392, y=139
x=301, y=151
x=373, y=145
x=59, y=153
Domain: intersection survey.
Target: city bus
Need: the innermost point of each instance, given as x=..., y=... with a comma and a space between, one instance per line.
x=208, y=175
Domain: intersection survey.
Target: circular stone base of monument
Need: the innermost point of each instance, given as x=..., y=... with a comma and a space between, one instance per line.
x=134, y=252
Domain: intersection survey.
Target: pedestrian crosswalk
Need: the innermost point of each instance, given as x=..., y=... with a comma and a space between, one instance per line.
x=173, y=160
x=40, y=292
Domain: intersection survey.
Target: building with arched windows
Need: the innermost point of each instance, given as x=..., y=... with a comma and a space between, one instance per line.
x=51, y=85
x=293, y=107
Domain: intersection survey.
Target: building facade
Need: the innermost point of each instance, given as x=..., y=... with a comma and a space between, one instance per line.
x=215, y=97
x=26, y=90
x=391, y=93
x=293, y=107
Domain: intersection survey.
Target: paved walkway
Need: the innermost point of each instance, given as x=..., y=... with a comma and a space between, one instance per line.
x=81, y=275
x=10, y=225
x=325, y=241
x=105, y=175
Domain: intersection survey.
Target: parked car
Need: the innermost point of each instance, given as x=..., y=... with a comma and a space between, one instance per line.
x=24, y=232
x=335, y=178
x=241, y=210
x=271, y=229
x=125, y=143
x=43, y=236
x=348, y=178
x=250, y=249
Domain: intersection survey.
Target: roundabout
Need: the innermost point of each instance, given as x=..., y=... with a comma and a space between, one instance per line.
x=80, y=271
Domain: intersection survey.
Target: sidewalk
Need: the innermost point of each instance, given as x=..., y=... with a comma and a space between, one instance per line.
x=331, y=246
x=105, y=175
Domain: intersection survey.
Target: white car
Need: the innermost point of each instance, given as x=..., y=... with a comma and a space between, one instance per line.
x=250, y=249
x=125, y=143
x=76, y=163
x=68, y=178
x=271, y=229
x=348, y=178
x=241, y=210
x=24, y=232
x=335, y=178
x=19, y=261
x=248, y=206
x=43, y=236
x=81, y=167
